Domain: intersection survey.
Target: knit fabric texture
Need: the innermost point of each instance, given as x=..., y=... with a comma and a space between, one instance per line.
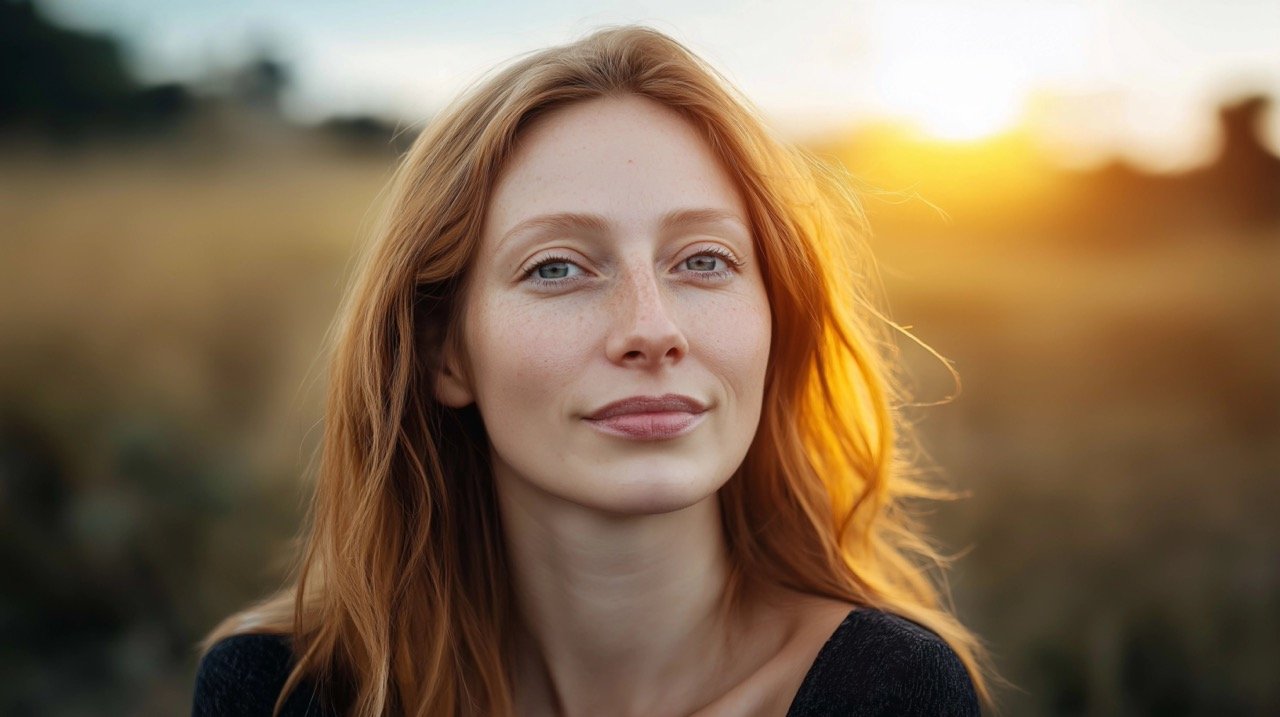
x=877, y=663
x=874, y=664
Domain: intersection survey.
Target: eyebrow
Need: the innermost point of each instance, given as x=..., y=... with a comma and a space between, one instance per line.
x=597, y=224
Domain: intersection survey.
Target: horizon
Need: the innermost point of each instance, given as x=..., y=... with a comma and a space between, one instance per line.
x=1136, y=81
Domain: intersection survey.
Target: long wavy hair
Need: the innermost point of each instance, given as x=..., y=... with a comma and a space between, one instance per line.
x=401, y=599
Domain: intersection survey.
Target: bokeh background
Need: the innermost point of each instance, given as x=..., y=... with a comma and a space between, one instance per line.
x=1076, y=203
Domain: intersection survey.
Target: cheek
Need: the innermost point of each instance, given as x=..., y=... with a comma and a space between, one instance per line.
x=524, y=352
x=736, y=343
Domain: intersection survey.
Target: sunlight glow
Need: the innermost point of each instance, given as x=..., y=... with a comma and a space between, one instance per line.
x=958, y=111
x=964, y=71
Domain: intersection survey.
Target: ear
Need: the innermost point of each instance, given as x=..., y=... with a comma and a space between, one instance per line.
x=449, y=384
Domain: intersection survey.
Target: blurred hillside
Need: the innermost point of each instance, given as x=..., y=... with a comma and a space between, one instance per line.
x=1009, y=185
x=171, y=267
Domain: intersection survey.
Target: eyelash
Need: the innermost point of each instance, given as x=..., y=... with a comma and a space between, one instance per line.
x=728, y=258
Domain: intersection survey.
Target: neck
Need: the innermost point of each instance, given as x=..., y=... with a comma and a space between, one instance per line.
x=621, y=614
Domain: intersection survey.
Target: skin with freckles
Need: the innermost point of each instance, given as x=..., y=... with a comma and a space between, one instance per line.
x=628, y=308
x=616, y=261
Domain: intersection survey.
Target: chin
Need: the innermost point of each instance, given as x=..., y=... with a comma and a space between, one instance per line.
x=650, y=495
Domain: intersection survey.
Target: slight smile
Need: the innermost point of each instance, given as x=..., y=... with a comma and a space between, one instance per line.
x=649, y=426
x=649, y=418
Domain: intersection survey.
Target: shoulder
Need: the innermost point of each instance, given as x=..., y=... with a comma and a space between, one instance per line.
x=878, y=663
x=243, y=675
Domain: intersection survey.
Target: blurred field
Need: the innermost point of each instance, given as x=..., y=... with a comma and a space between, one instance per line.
x=163, y=320
x=1117, y=430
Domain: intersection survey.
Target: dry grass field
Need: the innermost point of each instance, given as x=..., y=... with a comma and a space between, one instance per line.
x=163, y=320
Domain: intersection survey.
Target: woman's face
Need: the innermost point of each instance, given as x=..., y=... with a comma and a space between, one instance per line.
x=616, y=262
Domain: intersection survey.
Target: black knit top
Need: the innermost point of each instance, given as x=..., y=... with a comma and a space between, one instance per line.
x=875, y=663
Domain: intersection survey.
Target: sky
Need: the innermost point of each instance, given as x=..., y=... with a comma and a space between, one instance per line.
x=1137, y=78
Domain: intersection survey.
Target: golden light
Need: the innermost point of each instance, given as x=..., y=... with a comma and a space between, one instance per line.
x=962, y=72
x=962, y=110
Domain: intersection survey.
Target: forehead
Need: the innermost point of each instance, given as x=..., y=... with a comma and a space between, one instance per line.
x=626, y=158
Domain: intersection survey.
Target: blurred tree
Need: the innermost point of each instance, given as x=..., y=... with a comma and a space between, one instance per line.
x=53, y=77
x=1247, y=174
x=66, y=83
x=363, y=133
x=260, y=83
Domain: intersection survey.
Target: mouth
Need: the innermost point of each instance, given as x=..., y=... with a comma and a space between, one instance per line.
x=649, y=418
x=667, y=403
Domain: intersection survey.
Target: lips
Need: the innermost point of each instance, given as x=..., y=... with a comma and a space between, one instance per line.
x=669, y=403
x=649, y=418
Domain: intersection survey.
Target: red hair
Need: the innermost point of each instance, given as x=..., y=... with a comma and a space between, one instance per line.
x=402, y=600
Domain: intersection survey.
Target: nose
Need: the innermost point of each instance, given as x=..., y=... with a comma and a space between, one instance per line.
x=644, y=333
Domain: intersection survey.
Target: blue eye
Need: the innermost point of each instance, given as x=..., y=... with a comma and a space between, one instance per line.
x=705, y=263
x=550, y=271
x=558, y=269
x=708, y=257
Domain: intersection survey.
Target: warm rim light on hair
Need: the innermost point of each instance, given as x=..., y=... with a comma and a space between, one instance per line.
x=402, y=601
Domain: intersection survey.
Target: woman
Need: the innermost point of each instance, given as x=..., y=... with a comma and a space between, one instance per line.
x=608, y=432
